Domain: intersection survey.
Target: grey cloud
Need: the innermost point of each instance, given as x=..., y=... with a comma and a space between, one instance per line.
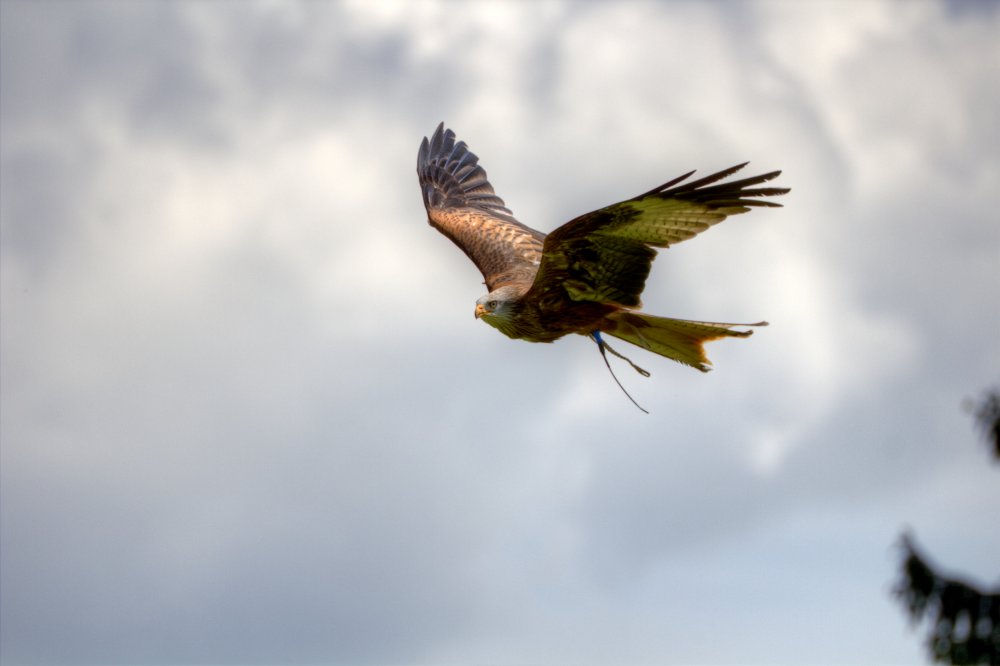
x=248, y=417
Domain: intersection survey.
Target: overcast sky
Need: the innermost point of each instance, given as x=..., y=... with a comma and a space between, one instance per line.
x=248, y=416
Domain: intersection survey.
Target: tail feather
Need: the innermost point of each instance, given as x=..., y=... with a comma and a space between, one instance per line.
x=677, y=339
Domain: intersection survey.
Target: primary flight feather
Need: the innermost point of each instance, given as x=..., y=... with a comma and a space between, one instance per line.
x=587, y=276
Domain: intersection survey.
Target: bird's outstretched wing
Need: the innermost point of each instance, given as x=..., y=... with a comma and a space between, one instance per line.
x=605, y=256
x=462, y=205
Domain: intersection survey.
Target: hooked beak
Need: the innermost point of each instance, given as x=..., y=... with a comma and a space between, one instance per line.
x=480, y=310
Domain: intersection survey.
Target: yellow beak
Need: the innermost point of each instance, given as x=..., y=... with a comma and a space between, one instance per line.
x=480, y=310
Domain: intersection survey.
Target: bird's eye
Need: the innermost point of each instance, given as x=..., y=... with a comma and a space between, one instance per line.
x=492, y=305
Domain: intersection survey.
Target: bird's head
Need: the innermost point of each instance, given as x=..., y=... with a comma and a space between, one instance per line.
x=495, y=308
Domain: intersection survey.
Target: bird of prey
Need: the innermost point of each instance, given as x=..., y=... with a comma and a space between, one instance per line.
x=586, y=276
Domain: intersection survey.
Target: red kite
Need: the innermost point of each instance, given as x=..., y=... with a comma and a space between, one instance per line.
x=586, y=276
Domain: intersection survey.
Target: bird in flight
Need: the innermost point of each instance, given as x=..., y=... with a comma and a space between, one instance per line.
x=586, y=276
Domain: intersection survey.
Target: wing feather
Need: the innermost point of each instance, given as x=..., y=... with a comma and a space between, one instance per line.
x=462, y=204
x=606, y=255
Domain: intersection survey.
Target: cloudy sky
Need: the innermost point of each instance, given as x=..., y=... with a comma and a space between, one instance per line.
x=247, y=414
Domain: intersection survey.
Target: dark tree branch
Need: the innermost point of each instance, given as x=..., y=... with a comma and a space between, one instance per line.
x=965, y=622
x=987, y=415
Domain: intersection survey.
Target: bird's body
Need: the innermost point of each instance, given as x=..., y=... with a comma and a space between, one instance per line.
x=586, y=276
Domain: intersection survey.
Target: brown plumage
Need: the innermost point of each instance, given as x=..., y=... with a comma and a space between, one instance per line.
x=587, y=276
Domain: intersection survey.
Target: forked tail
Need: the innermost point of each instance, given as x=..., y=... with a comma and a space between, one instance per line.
x=677, y=339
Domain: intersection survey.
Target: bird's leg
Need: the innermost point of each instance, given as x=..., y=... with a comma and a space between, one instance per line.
x=603, y=346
